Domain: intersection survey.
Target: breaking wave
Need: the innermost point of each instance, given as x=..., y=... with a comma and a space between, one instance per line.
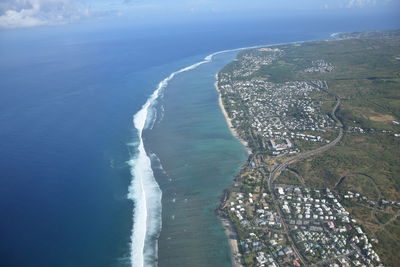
x=144, y=190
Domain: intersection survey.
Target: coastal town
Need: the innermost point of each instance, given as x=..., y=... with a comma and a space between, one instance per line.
x=282, y=121
x=273, y=116
x=321, y=230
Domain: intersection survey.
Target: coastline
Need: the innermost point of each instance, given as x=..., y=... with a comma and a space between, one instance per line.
x=228, y=120
x=227, y=224
x=231, y=234
x=229, y=229
x=141, y=247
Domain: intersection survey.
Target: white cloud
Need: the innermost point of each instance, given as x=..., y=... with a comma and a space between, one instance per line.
x=354, y=4
x=29, y=13
x=361, y=3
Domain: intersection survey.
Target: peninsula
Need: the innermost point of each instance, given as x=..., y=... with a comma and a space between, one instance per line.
x=321, y=121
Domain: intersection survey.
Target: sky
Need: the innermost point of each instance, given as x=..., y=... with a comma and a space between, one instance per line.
x=31, y=13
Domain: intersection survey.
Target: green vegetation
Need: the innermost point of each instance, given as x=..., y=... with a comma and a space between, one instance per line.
x=367, y=78
x=361, y=73
x=288, y=177
x=373, y=155
x=383, y=217
x=358, y=182
x=282, y=72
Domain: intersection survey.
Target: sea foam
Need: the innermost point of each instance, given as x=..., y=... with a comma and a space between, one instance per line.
x=144, y=190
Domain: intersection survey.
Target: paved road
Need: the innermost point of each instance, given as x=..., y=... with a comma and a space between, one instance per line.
x=332, y=260
x=275, y=172
x=279, y=168
x=310, y=153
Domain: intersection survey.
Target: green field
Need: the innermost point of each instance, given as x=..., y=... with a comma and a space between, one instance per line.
x=367, y=78
x=363, y=71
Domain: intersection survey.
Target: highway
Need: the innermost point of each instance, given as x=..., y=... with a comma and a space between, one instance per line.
x=279, y=168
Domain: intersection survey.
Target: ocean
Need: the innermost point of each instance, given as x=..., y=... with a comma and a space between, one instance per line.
x=100, y=169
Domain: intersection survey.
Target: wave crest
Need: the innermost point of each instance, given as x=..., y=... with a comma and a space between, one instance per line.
x=144, y=190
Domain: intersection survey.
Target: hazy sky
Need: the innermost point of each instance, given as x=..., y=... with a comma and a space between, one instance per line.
x=29, y=13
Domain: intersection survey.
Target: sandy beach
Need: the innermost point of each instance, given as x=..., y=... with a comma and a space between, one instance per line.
x=228, y=227
x=233, y=242
x=228, y=120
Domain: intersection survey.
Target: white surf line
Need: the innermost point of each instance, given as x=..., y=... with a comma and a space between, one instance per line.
x=144, y=190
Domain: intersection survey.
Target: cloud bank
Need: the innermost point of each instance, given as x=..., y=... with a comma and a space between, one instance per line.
x=30, y=13
x=364, y=3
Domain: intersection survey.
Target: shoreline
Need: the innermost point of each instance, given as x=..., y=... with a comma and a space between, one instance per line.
x=231, y=234
x=227, y=224
x=228, y=120
x=229, y=229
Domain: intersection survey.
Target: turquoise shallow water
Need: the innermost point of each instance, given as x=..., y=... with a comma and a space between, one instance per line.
x=200, y=158
x=67, y=97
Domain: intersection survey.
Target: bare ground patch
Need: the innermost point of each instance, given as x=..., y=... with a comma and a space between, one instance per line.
x=382, y=118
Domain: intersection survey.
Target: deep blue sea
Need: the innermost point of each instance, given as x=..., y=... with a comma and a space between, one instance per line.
x=67, y=99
